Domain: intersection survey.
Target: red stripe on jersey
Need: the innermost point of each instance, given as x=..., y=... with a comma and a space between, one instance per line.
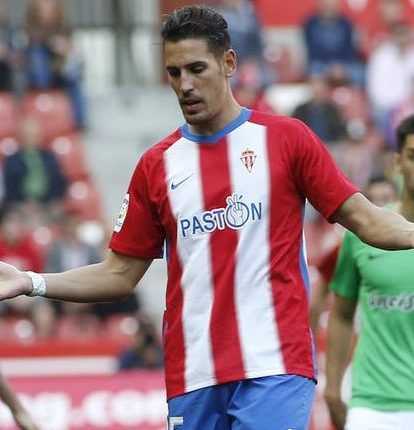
x=216, y=183
x=288, y=286
x=173, y=331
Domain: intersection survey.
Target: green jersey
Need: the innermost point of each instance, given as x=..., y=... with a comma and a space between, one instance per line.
x=383, y=283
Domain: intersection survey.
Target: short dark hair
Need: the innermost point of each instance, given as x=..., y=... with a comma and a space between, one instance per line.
x=405, y=128
x=199, y=22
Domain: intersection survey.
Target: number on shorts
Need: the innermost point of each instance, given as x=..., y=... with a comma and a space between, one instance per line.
x=175, y=421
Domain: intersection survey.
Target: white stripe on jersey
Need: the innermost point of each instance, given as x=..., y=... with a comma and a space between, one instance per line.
x=182, y=168
x=259, y=339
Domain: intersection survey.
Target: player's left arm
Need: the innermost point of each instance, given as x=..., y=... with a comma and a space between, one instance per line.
x=20, y=415
x=376, y=226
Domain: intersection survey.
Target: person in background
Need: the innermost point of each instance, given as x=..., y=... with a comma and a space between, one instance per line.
x=320, y=113
x=380, y=191
x=18, y=249
x=7, y=51
x=246, y=35
x=390, y=75
x=52, y=61
x=381, y=282
x=377, y=29
x=32, y=173
x=146, y=352
x=22, y=418
x=331, y=44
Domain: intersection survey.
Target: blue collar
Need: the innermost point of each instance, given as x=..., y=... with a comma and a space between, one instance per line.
x=213, y=138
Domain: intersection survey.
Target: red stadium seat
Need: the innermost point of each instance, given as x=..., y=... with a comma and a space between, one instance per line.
x=52, y=109
x=8, y=116
x=69, y=151
x=83, y=198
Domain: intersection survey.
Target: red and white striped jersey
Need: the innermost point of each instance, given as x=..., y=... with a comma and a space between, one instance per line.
x=229, y=208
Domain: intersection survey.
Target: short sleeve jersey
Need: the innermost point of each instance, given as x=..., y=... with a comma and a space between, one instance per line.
x=382, y=282
x=229, y=208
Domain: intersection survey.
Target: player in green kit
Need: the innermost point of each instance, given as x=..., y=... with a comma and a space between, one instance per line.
x=382, y=283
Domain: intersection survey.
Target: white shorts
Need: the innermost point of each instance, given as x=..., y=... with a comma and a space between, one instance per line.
x=359, y=418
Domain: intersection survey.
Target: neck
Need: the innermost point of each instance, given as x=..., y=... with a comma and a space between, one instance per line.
x=227, y=113
x=406, y=208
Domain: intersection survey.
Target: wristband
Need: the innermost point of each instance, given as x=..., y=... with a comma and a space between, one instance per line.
x=38, y=283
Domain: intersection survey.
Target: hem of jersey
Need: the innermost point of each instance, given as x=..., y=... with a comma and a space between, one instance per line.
x=132, y=252
x=200, y=138
x=232, y=378
x=389, y=407
x=332, y=210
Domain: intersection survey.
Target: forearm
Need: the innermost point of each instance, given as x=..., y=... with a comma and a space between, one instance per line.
x=112, y=279
x=376, y=226
x=87, y=284
x=340, y=334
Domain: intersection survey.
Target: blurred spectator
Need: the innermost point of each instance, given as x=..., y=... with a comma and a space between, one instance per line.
x=330, y=42
x=320, y=113
x=52, y=60
x=400, y=112
x=16, y=247
x=390, y=73
x=354, y=156
x=249, y=90
x=245, y=34
x=146, y=352
x=33, y=172
x=44, y=319
x=6, y=51
x=70, y=250
x=377, y=29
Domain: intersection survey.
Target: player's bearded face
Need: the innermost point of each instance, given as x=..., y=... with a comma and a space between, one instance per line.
x=198, y=78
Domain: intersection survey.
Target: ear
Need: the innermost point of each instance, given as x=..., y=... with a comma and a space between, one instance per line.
x=229, y=63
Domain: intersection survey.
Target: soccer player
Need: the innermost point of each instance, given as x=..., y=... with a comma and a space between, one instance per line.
x=20, y=415
x=225, y=193
x=382, y=283
x=380, y=191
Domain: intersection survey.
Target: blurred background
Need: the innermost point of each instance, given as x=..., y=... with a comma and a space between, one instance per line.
x=83, y=94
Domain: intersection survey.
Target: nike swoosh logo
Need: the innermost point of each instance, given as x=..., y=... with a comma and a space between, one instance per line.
x=175, y=186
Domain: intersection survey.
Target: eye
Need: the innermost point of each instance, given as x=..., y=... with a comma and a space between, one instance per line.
x=174, y=72
x=197, y=69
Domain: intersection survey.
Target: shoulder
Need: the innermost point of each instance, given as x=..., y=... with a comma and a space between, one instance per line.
x=282, y=126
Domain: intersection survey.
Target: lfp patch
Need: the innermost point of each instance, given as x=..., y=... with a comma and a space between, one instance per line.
x=122, y=214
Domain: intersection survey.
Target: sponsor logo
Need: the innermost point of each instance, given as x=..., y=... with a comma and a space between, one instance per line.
x=174, y=186
x=122, y=214
x=248, y=157
x=235, y=216
x=403, y=302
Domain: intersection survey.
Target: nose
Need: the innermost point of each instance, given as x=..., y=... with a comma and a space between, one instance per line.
x=186, y=83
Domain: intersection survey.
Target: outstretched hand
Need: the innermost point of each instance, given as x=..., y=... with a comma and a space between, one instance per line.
x=13, y=282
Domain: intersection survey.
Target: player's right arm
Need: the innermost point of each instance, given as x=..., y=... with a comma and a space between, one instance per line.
x=20, y=415
x=112, y=279
x=339, y=345
x=345, y=284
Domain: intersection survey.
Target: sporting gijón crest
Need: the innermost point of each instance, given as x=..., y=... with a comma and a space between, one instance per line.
x=248, y=157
